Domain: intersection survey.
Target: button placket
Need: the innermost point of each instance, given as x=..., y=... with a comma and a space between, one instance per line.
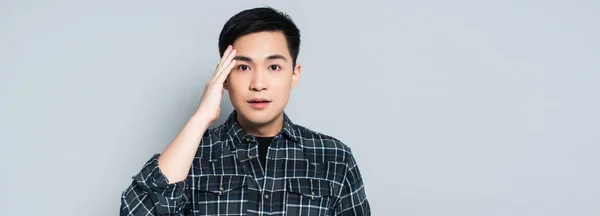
x=249, y=139
x=312, y=190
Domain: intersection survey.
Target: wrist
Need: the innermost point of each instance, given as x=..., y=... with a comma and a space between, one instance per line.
x=200, y=120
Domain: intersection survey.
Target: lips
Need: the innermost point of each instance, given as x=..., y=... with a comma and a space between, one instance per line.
x=259, y=100
x=259, y=103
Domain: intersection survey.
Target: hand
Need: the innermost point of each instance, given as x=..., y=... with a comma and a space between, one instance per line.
x=209, y=108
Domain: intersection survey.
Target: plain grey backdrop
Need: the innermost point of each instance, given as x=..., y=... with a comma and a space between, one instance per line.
x=463, y=108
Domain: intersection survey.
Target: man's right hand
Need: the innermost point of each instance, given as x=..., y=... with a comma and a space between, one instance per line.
x=209, y=108
x=177, y=158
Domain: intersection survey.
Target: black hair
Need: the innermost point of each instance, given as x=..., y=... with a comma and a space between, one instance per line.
x=259, y=20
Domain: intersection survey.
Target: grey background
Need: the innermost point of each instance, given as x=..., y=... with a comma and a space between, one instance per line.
x=451, y=107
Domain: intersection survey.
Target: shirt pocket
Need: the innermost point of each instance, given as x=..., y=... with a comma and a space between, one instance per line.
x=222, y=195
x=308, y=196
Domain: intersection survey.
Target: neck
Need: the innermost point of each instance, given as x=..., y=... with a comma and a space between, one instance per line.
x=267, y=129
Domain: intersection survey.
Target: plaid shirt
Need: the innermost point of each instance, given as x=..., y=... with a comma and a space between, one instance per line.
x=306, y=173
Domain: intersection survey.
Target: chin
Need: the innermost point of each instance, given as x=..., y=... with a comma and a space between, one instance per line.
x=259, y=117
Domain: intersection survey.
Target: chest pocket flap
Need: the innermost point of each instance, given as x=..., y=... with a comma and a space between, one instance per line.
x=309, y=187
x=221, y=184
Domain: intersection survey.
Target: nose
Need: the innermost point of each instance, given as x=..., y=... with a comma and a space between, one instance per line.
x=258, y=81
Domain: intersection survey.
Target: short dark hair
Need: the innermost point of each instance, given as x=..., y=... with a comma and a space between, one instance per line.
x=259, y=20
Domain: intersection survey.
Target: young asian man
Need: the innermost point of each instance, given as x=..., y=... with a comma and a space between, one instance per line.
x=258, y=162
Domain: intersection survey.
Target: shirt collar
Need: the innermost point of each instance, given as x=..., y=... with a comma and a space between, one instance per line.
x=236, y=134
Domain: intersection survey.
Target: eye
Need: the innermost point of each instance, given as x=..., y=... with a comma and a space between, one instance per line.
x=275, y=67
x=243, y=67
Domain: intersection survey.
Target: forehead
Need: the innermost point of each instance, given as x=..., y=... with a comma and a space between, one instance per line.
x=261, y=45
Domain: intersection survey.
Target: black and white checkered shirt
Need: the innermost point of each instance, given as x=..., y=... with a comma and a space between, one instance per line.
x=306, y=173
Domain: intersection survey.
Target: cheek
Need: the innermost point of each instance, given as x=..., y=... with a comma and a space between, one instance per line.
x=282, y=88
x=235, y=81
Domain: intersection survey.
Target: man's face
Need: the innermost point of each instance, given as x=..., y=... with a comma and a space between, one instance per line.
x=260, y=83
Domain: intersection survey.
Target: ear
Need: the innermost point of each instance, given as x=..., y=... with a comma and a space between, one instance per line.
x=296, y=75
x=226, y=85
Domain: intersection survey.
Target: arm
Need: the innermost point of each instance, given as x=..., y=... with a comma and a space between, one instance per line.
x=161, y=186
x=176, y=160
x=353, y=199
x=151, y=194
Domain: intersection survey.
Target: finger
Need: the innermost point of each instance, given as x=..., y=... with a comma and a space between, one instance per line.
x=227, y=60
x=226, y=55
x=223, y=75
x=223, y=58
x=229, y=48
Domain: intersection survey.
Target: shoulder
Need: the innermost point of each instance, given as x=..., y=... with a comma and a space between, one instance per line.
x=322, y=147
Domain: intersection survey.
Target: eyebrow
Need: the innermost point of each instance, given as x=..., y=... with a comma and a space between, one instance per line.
x=248, y=59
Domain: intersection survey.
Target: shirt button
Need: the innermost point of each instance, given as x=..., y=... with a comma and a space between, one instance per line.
x=313, y=193
x=250, y=157
x=266, y=196
x=221, y=188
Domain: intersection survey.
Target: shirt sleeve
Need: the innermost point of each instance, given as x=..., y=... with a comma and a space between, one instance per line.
x=151, y=194
x=353, y=199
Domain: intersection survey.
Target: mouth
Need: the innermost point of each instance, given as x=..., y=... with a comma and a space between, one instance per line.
x=259, y=103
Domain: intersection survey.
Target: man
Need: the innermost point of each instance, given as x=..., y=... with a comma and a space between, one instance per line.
x=258, y=162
